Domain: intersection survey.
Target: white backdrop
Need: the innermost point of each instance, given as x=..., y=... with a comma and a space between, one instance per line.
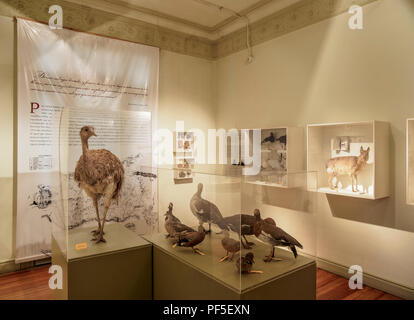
x=100, y=80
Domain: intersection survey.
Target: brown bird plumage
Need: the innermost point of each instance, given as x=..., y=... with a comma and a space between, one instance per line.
x=173, y=225
x=275, y=237
x=206, y=211
x=100, y=174
x=245, y=264
x=230, y=245
x=243, y=225
x=191, y=239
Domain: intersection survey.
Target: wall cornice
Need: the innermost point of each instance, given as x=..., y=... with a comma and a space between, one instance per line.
x=292, y=18
x=83, y=18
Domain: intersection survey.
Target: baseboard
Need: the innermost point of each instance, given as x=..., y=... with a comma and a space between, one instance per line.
x=11, y=266
x=340, y=270
x=8, y=266
x=369, y=280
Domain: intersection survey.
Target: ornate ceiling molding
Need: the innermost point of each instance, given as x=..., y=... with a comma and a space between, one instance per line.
x=83, y=18
x=292, y=18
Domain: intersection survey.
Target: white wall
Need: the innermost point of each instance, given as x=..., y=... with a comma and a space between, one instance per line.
x=6, y=138
x=328, y=73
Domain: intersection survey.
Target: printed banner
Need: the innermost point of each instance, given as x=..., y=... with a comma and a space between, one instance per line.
x=110, y=85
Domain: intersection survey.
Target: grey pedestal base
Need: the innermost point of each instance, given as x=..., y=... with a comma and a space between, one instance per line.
x=121, y=268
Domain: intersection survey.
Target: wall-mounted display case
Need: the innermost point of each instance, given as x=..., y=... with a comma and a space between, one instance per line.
x=352, y=159
x=184, y=156
x=282, y=158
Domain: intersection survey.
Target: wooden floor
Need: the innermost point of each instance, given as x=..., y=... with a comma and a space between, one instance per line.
x=33, y=284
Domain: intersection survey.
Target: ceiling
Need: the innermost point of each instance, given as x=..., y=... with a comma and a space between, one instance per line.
x=198, y=17
x=195, y=12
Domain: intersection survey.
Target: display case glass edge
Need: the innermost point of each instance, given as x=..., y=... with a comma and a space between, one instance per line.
x=409, y=155
x=382, y=167
x=380, y=141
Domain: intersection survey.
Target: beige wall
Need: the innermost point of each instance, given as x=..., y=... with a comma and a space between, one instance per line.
x=328, y=73
x=185, y=93
x=323, y=73
x=6, y=138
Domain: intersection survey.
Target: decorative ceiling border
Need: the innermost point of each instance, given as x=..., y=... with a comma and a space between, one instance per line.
x=83, y=18
x=289, y=19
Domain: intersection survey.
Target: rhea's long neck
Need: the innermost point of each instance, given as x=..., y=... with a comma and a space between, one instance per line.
x=85, y=146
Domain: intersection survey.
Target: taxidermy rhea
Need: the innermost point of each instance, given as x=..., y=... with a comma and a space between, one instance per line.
x=100, y=174
x=350, y=166
x=205, y=211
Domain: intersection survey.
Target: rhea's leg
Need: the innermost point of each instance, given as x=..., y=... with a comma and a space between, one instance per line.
x=108, y=199
x=95, y=204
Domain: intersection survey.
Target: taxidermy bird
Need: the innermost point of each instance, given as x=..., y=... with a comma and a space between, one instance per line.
x=100, y=174
x=205, y=211
x=245, y=264
x=243, y=225
x=272, y=139
x=173, y=225
x=349, y=165
x=230, y=245
x=275, y=237
x=191, y=239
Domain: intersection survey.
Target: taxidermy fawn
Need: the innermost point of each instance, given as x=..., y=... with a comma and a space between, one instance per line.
x=351, y=166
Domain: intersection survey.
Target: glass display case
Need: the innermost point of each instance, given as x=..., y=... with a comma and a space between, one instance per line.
x=233, y=239
x=219, y=235
x=352, y=159
x=108, y=197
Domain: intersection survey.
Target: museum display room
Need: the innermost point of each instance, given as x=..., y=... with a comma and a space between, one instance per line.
x=207, y=149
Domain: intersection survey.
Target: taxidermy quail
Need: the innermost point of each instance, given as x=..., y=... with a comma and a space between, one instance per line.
x=173, y=225
x=275, y=237
x=191, y=239
x=230, y=245
x=245, y=264
x=205, y=211
x=243, y=225
x=100, y=174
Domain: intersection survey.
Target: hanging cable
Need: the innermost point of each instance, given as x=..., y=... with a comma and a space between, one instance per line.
x=238, y=15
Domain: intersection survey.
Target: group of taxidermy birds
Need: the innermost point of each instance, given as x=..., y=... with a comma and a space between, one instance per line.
x=100, y=174
x=265, y=230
